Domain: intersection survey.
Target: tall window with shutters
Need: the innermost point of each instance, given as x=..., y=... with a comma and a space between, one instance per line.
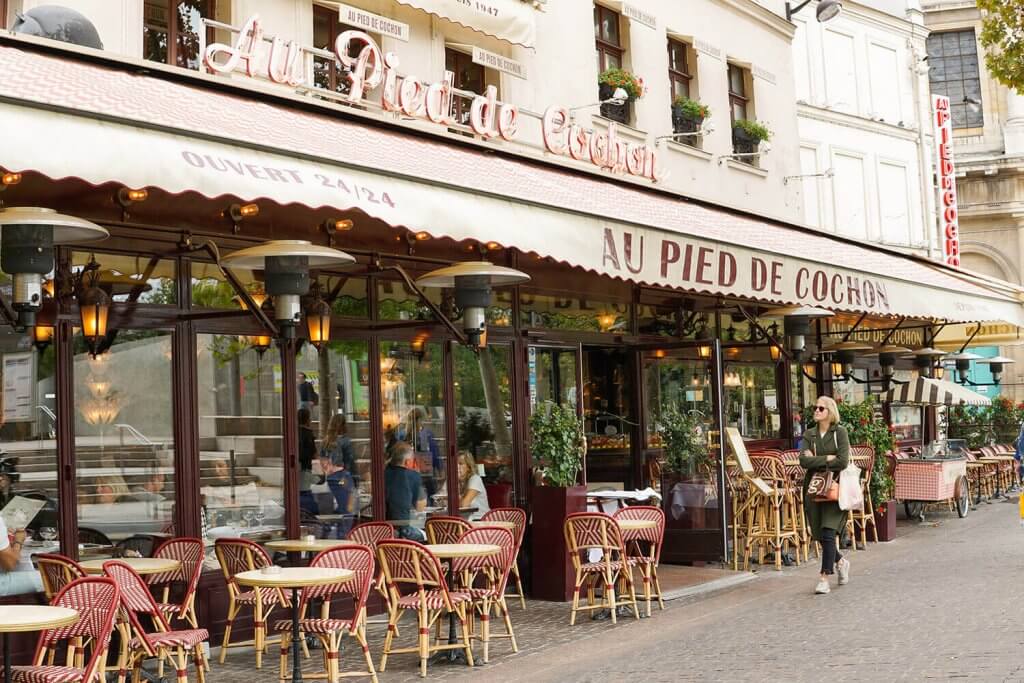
x=679, y=76
x=739, y=100
x=608, y=38
x=170, y=30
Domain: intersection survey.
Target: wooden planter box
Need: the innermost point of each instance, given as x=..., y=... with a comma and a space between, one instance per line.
x=551, y=571
x=885, y=521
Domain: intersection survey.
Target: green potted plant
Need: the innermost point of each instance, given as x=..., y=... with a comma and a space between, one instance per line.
x=558, y=445
x=747, y=135
x=688, y=115
x=611, y=80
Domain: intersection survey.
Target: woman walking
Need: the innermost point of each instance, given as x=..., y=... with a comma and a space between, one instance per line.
x=826, y=447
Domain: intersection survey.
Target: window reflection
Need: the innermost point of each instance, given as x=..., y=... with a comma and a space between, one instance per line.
x=751, y=399
x=136, y=278
x=551, y=374
x=124, y=439
x=484, y=422
x=574, y=313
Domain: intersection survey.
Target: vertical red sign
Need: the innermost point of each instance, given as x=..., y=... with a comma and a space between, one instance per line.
x=945, y=175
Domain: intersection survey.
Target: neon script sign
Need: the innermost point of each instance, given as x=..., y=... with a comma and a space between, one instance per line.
x=946, y=175
x=368, y=69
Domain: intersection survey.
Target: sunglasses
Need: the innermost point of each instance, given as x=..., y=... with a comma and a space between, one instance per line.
x=817, y=408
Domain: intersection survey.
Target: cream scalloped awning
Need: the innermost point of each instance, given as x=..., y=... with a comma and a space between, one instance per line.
x=509, y=20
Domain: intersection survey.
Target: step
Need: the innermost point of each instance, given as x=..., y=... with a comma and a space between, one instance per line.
x=231, y=425
x=260, y=445
x=242, y=458
x=272, y=476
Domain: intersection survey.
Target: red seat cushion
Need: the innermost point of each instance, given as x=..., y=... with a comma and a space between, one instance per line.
x=435, y=599
x=46, y=674
x=314, y=625
x=187, y=638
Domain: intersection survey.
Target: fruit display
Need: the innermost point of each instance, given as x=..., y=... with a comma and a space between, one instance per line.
x=607, y=442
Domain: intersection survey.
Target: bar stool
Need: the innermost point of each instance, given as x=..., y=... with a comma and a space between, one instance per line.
x=773, y=523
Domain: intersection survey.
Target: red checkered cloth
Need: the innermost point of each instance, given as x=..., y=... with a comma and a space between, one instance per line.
x=929, y=481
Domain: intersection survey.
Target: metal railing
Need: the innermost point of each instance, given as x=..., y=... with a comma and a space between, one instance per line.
x=142, y=438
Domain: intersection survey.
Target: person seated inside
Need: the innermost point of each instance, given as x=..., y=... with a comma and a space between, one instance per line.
x=403, y=491
x=8, y=477
x=17, y=575
x=472, y=493
x=151, y=489
x=342, y=487
x=110, y=490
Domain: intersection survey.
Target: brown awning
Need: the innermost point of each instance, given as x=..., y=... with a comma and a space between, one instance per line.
x=102, y=123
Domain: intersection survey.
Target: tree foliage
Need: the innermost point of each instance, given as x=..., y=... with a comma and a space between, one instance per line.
x=558, y=443
x=686, y=447
x=1002, y=36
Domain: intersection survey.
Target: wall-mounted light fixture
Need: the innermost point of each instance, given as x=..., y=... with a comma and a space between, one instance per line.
x=332, y=226
x=318, y=319
x=825, y=11
x=260, y=343
x=707, y=128
x=619, y=97
x=8, y=179
x=828, y=174
x=239, y=212
x=93, y=309
x=42, y=335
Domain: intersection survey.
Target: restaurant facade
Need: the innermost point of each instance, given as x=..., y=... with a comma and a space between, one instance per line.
x=180, y=417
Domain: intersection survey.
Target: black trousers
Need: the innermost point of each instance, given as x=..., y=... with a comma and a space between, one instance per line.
x=829, y=550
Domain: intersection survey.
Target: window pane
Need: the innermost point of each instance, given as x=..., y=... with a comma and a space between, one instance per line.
x=551, y=376
x=351, y=299
x=484, y=424
x=677, y=56
x=155, y=30
x=211, y=290
x=609, y=26
x=412, y=398
x=573, y=313
x=189, y=14
x=336, y=392
x=680, y=88
x=607, y=408
x=736, y=82
x=28, y=459
x=142, y=279
x=395, y=302
x=240, y=436
x=752, y=401
x=124, y=439
x=739, y=110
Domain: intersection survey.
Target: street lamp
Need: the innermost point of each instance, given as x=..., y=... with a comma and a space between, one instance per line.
x=995, y=366
x=27, y=238
x=826, y=10
x=285, y=265
x=796, y=324
x=472, y=281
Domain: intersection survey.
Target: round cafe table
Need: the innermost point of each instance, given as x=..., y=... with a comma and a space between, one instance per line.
x=23, y=618
x=301, y=545
x=448, y=551
x=141, y=565
x=295, y=578
x=501, y=524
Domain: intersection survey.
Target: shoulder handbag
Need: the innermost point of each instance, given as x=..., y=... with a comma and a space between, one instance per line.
x=823, y=486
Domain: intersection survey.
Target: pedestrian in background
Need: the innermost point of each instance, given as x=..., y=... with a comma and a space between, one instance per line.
x=826, y=446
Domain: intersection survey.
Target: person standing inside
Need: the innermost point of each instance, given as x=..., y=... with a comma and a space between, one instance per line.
x=308, y=397
x=339, y=482
x=403, y=489
x=826, y=447
x=307, y=451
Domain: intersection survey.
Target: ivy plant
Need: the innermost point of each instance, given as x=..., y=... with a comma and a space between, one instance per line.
x=558, y=443
x=682, y=433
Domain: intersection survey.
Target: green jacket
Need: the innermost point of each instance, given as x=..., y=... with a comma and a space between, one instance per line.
x=835, y=442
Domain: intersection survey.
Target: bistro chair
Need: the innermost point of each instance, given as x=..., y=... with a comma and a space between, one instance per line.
x=330, y=631
x=772, y=520
x=587, y=531
x=96, y=600
x=237, y=555
x=795, y=474
x=493, y=572
x=56, y=572
x=135, y=546
x=411, y=568
x=189, y=553
x=643, y=546
x=518, y=517
x=858, y=521
x=370, y=534
x=442, y=529
x=161, y=643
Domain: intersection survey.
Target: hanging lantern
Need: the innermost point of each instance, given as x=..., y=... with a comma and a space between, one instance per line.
x=776, y=352
x=94, y=307
x=42, y=335
x=260, y=343
x=318, y=322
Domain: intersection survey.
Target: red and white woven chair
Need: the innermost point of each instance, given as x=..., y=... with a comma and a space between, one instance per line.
x=57, y=571
x=442, y=529
x=644, y=547
x=518, y=517
x=595, y=531
x=96, y=600
x=370, y=534
x=237, y=555
x=189, y=553
x=161, y=643
x=485, y=578
x=412, y=566
x=330, y=631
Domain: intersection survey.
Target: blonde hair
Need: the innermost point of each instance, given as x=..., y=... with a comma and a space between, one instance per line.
x=831, y=408
x=466, y=458
x=116, y=484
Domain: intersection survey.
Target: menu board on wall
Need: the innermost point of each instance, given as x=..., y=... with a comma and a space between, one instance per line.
x=19, y=389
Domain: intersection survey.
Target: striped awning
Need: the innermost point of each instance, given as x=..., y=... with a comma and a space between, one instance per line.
x=935, y=392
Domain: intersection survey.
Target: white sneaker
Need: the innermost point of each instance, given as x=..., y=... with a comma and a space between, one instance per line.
x=843, y=569
x=822, y=588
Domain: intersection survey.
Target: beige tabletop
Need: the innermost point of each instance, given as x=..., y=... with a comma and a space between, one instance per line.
x=141, y=565
x=294, y=577
x=298, y=545
x=636, y=524
x=501, y=524
x=449, y=550
x=19, y=618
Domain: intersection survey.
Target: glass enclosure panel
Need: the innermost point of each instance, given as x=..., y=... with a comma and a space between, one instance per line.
x=752, y=399
x=350, y=295
x=134, y=278
x=804, y=397
x=28, y=459
x=574, y=313
x=607, y=400
x=412, y=396
x=551, y=375
x=906, y=421
x=339, y=377
x=483, y=399
x=396, y=302
x=124, y=440
x=240, y=437
x=211, y=290
x=674, y=380
x=852, y=390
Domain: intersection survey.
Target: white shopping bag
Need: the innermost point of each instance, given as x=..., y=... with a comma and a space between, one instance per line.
x=851, y=496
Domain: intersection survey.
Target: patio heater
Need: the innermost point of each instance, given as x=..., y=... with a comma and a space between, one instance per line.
x=844, y=353
x=472, y=281
x=796, y=324
x=995, y=366
x=887, y=361
x=924, y=360
x=27, y=238
x=285, y=265
x=963, y=364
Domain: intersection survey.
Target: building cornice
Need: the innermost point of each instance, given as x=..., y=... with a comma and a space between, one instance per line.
x=816, y=113
x=762, y=15
x=878, y=19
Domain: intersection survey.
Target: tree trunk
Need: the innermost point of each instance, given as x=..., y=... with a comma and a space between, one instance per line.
x=495, y=406
x=326, y=382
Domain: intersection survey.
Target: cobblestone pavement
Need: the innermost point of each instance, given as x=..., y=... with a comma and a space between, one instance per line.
x=936, y=604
